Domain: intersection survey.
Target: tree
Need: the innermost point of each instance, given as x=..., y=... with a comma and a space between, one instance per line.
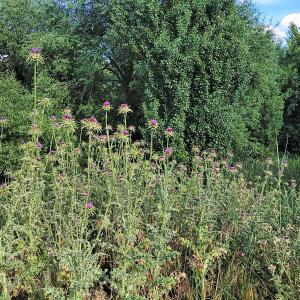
x=207, y=68
x=290, y=134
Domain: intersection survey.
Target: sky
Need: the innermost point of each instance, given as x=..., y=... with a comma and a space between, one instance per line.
x=280, y=13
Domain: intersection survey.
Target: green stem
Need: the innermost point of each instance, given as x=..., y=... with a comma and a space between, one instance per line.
x=151, y=144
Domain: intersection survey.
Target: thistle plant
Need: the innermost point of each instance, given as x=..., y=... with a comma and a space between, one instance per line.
x=102, y=216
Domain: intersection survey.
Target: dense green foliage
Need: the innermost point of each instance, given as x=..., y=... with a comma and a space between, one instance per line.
x=207, y=68
x=290, y=135
x=92, y=207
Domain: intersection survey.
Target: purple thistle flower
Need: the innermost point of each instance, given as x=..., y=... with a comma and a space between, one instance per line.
x=39, y=145
x=169, y=131
x=85, y=194
x=36, y=50
x=89, y=205
x=3, y=185
x=92, y=120
x=169, y=151
x=106, y=106
x=53, y=118
x=125, y=132
x=124, y=109
x=153, y=123
x=68, y=117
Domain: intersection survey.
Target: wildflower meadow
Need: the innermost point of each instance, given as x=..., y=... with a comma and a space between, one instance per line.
x=93, y=212
x=149, y=150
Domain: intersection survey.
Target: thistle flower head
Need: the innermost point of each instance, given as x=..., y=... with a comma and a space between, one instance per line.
x=169, y=151
x=153, y=123
x=91, y=124
x=39, y=145
x=89, y=205
x=45, y=102
x=35, y=55
x=36, y=50
x=53, y=118
x=67, y=117
x=106, y=106
x=124, y=109
x=169, y=131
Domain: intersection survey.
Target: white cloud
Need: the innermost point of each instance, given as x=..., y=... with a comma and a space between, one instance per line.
x=264, y=1
x=281, y=29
